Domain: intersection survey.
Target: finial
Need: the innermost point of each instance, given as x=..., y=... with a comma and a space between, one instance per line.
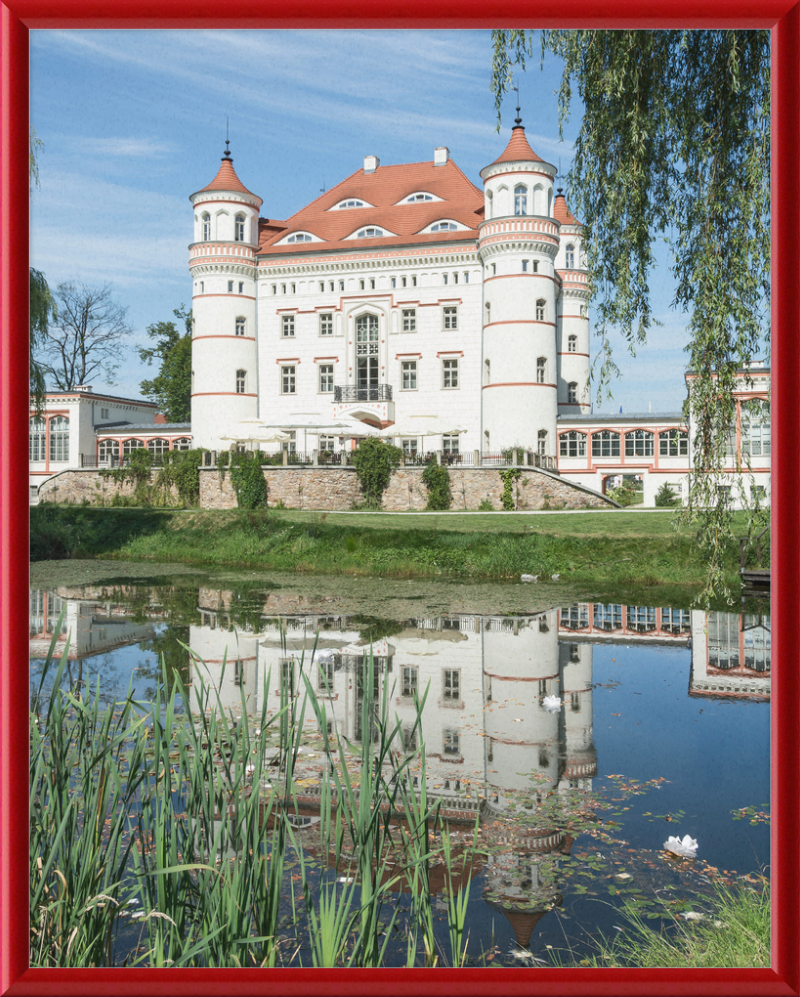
x=518, y=119
x=227, y=154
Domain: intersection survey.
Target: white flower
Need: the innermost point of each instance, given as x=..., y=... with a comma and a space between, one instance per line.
x=552, y=703
x=692, y=915
x=687, y=847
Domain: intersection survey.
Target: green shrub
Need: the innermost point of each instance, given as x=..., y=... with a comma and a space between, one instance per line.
x=485, y=506
x=509, y=476
x=247, y=478
x=374, y=461
x=665, y=497
x=181, y=468
x=436, y=479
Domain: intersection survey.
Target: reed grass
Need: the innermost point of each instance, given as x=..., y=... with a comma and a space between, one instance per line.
x=161, y=840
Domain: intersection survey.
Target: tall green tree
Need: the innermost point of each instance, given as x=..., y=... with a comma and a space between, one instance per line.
x=674, y=145
x=41, y=303
x=171, y=388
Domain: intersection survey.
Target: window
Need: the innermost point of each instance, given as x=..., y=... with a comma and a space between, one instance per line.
x=326, y=324
x=283, y=289
x=326, y=378
x=673, y=443
x=520, y=199
x=158, y=446
x=451, y=741
x=206, y=226
x=639, y=443
x=450, y=318
x=494, y=269
x=445, y=278
x=410, y=678
x=444, y=227
x=394, y=282
x=36, y=441
x=572, y=392
x=572, y=344
x=541, y=370
x=409, y=371
x=59, y=438
x=202, y=286
x=367, y=346
x=293, y=288
x=288, y=380
x=756, y=428
x=450, y=443
x=129, y=446
x=487, y=371
x=352, y=203
x=572, y=444
x=370, y=233
x=241, y=382
x=240, y=325
x=274, y=288
x=455, y=278
x=322, y=286
x=487, y=311
x=108, y=450
x=341, y=285
x=241, y=287
x=466, y=277
x=524, y=266
x=418, y=197
x=541, y=442
x=300, y=237
x=536, y=266
x=605, y=444
x=230, y=287
x=409, y=320
x=758, y=493
x=570, y=257
x=540, y=310
x=182, y=443
x=327, y=443
x=413, y=280
x=403, y=281
x=584, y=311
x=451, y=688
x=325, y=674
x=238, y=229
x=450, y=372
x=361, y=285
x=287, y=326
x=372, y=283
x=330, y=285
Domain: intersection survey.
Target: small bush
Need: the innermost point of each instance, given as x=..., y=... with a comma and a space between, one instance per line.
x=665, y=497
x=436, y=479
x=248, y=480
x=374, y=461
x=509, y=476
x=485, y=506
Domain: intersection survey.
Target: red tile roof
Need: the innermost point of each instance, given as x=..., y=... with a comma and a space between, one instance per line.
x=226, y=179
x=561, y=212
x=461, y=201
x=518, y=148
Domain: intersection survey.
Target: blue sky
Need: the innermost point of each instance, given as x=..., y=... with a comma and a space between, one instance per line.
x=134, y=121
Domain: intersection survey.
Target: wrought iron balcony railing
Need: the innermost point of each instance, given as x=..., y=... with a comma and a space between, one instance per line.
x=352, y=393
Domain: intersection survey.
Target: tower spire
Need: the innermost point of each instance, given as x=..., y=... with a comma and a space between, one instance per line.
x=518, y=119
x=227, y=155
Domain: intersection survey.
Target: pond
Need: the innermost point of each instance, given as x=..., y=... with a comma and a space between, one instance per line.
x=562, y=746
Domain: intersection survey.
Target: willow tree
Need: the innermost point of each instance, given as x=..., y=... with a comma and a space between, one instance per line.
x=673, y=145
x=41, y=303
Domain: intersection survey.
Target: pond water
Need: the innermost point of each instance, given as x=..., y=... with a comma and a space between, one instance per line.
x=579, y=737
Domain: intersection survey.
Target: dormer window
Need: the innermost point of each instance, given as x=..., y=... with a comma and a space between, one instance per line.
x=300, y=237
x=206, y=226
x=351, y=203
x=443, y=227
x=239, y=228
x=370, y=233
x=413, y=198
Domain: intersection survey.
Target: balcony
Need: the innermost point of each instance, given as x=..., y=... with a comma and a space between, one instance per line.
x=351, y=393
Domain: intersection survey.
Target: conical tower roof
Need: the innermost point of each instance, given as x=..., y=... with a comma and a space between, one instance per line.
x=518, y=148
x=226, y=178
x=561, y=211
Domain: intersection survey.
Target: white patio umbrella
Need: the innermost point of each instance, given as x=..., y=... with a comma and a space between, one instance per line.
x=352, y=428
x=421, y=425
x=254, y=431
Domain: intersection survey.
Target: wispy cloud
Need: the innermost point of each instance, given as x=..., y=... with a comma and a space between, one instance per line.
x=130, y=146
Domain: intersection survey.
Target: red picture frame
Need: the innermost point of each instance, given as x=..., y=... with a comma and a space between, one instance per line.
x=17, y=17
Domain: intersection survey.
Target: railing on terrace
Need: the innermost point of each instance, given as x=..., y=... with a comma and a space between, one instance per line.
x=90, y=461
x=353, y=393
x=343, y=458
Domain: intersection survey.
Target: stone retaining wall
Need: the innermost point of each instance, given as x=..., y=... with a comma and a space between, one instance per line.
x=336, y=489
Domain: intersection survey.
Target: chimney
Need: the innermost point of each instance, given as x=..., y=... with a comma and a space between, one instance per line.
x=371, y=163
x=441, y=155
x=85, y=388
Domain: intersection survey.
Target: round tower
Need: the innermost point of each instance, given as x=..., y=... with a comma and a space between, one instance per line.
x=574, y=394
x=222, y=263
x=518, y=242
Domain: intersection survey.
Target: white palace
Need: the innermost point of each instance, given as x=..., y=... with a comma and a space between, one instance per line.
x=406, y=300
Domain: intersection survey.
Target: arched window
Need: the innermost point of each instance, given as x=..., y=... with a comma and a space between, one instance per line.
x=108, y=450
x=130, y=445
x=540, y=310
x=418, y=197
x=572, y=444
x=370, y=233
x=673, y=443
x=487, y=308
x=36, y=444
x=157, y=446
x=489, y=203
x=756, y=428
x=444, y=227
x=352, y=203
x=605, y=444
x=572, y=344
x=300, y=237
x=59, y=438
x=206, y=217
x=572, y=392
x=541, y=442
x=182, y=443
x=487, y=371
x=240, y=325
x=570, y=257
x=520, y=199
x=367, y=345
x=541, y=370
x=241, y=381
x=639, y=443
x=238, y=228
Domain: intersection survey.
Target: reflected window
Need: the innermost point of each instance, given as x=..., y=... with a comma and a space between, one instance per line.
x=574, y=617
x=723, y=641
x=451, y=741
x=607, y=617
x=452, y=684
x=675, y=621
x=642, y=619
x=325, y=674
x=410, y=677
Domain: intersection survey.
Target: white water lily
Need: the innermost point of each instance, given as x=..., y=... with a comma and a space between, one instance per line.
x=686, y=847
x=552, y=703
x=692, y=915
